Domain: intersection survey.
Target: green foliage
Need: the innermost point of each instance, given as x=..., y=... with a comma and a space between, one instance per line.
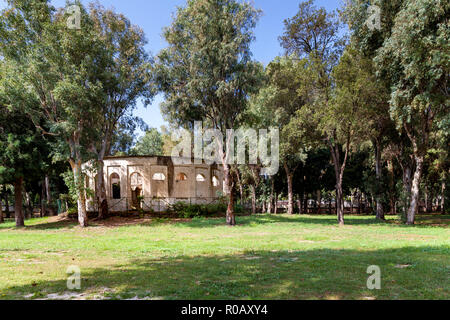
x=151, y=144
x=186, y=210
x=206, y=73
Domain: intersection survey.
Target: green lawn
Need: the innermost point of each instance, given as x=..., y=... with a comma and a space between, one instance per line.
x=265, y=257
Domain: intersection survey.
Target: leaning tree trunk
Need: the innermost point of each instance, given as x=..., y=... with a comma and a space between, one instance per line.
x=290, y=177
x=378, y=170
x=415, y=191
x=18, y=206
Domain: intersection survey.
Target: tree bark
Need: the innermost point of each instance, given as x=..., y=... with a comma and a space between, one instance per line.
x=378, y=170
x=253, y=189
x=319, y=202
x=231, y=219
x=392, y=187
x=275, y=209
x=415, y=191
x=48, y=194
x=18, y=206
x=43, y=200
x=290, y=177
x=100, y=185
x=81, y=201
x=7, y=212
x=271, y=197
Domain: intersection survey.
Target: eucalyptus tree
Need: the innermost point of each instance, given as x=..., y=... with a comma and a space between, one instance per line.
x=416, y=58
x=126, y=78
x=410, y=49
x=206, y=73
x=58, y=67
x=314, y=34
x=276, y=105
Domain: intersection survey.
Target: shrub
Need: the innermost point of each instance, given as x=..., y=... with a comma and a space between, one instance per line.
x=188, y=211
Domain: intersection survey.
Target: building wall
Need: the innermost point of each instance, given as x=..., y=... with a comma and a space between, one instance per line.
x=157, y=194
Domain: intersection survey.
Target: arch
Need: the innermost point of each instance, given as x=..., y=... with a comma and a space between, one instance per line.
x=182, y=177
x=135, y=181
x=159, y=177
x=215, y=181
x=200, y=178
x=115, y=186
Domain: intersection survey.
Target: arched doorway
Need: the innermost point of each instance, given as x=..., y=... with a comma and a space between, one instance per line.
x=136, y=191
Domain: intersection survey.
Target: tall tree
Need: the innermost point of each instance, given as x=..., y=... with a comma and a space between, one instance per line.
x=60, y=68
x=126, y=78
x=314, y=33
x=416, y=59
x=206, y=73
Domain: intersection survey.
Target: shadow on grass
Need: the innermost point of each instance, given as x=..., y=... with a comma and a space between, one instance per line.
x=407, y=273
x=423, y=221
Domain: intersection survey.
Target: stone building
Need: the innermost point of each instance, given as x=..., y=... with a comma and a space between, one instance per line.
x=153, y=183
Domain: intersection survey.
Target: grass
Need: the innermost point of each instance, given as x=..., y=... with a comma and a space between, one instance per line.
x=265, y=257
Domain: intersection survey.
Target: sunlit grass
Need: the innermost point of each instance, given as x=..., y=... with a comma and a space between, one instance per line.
x=264, y=257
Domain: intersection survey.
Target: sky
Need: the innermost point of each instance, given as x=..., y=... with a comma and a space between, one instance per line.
x=153, y=15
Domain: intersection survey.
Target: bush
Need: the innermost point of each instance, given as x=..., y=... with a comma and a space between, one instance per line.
x=188, y=211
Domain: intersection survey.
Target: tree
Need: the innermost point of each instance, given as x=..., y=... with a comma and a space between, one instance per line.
x=415, y=58
x=206, y=73
x=21, y=158
x=314, y=33
x=60, y=68
x=149, y=144
x=125, y=78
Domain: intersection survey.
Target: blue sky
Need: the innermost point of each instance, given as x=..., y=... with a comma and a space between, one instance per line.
x=153, y=15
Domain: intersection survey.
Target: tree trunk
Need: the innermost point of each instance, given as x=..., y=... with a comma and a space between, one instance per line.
x=231, y=219
x=7, y=212
x=319, y=202
x=81, y=196
x=18, y=206
x=406, y=189
x=415, y=191
x=102, y=202
x=340, y=203
x=48, y=194
x=253, y=189
x=275, y=209
x=43, y=201
x=290, y=177
x=378, y=170
x=428, y=200
x=392, y=187
x=271, y=197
